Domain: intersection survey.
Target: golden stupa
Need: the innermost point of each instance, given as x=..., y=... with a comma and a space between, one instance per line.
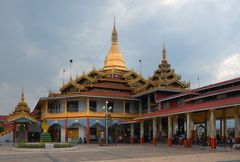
x=114, y=58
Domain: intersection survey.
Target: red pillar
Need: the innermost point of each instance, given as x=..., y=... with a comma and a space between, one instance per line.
x=14, y=132
x=189, y=142
x=66, y=132
x=213, y=143
x=26, y=132
x=88, y=131
x=132, y=140
x=237, y=140
x=169, y=142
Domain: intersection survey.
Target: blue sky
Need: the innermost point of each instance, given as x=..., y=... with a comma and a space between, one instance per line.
x=38, y=38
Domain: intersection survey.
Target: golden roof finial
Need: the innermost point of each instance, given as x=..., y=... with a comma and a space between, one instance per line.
x=22, y=96
x=114, y=58
x=164, y=51
x=114, y=32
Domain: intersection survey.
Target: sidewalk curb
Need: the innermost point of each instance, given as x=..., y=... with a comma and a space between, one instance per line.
x=43, y=149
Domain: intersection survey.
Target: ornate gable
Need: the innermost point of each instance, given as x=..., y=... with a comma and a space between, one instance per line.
x=71, y=86
x=21, y=112
x=165, y=76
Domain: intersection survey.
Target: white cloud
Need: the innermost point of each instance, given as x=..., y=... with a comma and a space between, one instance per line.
x=228, y=68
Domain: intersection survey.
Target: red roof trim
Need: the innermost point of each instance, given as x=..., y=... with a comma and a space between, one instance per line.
x=216, y=104
x=212, y=93
x=3, y=118
x=218, y=84
x=188, y=92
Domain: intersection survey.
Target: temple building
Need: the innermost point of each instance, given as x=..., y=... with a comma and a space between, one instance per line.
x=115, y=101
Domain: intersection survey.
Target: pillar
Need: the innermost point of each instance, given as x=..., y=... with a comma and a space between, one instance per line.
x=14, y=132
x=169, y=131
x=46, y=106
x=236, y=118
x=65, y=107
x=26, y=131
x=87, y=103
x=142, y=132
x=160, y=128
x=154, y=129
x=189, y=130
x=88, y=131
x=208, y=128
x=221, y=128
x=124, y=106
x=66, y=131
x=149, y=103
x=140, y=106
x=124, y=135
x=224, y=127
x=213, y=142
x=132, y=133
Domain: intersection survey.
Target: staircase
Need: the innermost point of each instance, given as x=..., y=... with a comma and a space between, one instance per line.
x=6, y=135
x=46, y=137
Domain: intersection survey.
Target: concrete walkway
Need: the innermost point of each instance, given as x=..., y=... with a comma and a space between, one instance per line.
x=123, y=152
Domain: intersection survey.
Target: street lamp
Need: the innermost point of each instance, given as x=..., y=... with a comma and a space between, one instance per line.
x=106, y=119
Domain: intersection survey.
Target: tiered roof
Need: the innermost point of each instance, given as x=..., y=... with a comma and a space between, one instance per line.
x=114, y=79
x=165, y=77
x=21, y=112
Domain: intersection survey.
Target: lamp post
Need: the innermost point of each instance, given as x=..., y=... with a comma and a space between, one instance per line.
x=106, y=119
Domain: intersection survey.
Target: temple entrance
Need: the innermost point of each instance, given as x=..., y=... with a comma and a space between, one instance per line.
x=181, y=125
x=114, y=131
x=201, y=135
x=96, y=132
x=55, y=131
x=148, y=131
x=21, y=134
x=180, y=135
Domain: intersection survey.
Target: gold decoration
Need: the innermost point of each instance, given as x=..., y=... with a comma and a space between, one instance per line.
x=21, y=110
x=114, y=58
x=45, y=126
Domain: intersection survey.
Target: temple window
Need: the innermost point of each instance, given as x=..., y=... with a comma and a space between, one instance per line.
x=93, y=106
x=181, y=101
x=110, y=107
x=54, y=108
x=127, y=107
x=221, y=96
x=166, y=105
x=72, y=106
x=136, y=107
x=199, y=101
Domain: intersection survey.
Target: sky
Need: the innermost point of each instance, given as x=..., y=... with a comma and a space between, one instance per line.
x=38, y=38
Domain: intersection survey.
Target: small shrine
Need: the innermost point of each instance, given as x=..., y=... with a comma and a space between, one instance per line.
x=21, y=119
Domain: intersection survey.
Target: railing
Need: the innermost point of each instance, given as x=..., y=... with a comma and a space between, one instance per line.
x=87, y=114
x=5, y=132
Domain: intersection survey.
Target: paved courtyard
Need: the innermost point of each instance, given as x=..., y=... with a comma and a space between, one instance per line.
x=119, y=153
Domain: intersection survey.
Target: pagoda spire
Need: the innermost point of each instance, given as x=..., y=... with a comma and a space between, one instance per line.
x=22, y=95
x=164, y=51
x=114, y=59
x=114, y=33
